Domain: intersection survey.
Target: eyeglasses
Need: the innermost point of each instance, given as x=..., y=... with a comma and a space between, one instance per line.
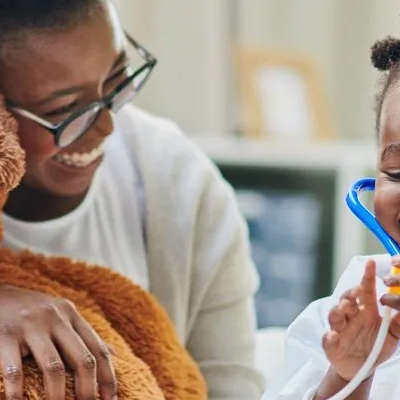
x=78, y=123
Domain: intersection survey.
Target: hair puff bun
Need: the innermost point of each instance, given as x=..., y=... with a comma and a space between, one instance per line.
x=385, y=53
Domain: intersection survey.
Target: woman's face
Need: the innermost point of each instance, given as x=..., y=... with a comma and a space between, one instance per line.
x=387, y=191
x=52, y=75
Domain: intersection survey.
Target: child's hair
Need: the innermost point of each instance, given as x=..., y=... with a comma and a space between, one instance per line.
x=18, y=16
x=385, y=56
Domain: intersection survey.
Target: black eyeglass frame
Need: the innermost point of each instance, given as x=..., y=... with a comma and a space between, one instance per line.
x=57, y=129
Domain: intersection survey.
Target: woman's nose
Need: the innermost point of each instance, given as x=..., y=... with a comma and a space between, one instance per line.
x=104, y=124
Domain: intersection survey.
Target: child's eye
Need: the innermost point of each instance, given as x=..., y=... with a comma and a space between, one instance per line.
x=393, y=176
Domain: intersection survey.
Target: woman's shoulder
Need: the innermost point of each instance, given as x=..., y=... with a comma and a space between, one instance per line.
x=160, y=147
x=138, y=124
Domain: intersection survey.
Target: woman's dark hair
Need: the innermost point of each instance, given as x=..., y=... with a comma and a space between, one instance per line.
x=385, y=56
x=19, y=16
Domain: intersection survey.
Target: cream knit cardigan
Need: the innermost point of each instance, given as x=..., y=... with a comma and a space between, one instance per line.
x=200, y=267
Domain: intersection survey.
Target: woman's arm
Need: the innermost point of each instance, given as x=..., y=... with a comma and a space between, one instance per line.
x=222, y=338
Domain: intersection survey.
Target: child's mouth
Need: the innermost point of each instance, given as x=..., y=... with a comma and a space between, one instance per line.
x=80, y=160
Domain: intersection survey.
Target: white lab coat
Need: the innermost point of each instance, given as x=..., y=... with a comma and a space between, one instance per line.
x=306, y=364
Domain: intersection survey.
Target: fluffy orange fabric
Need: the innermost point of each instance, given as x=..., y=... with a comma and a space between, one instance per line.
x=150, y=362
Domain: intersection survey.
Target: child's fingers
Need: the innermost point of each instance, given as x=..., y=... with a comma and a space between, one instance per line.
x=392, y=280
x=351, y=294
x=396, y=261
x=337, y=319
x=391, y=300
x=368, y=293
x=394, y=327
x=349, y=308
x=330, y=341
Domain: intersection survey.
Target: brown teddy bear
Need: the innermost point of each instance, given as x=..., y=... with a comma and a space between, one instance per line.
x=150, y=363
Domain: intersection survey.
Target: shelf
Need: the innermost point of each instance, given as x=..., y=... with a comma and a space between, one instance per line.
x=324, y=155
x=348, y=160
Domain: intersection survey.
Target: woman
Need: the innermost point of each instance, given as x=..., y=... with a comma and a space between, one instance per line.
x=129, y=192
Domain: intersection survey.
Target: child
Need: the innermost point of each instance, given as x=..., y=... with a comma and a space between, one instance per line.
x=329, y=342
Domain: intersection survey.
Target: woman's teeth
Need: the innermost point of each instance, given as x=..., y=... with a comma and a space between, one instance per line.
x=79, y=160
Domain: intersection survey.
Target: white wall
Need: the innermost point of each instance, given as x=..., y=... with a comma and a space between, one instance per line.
x=337, y=36
x=192, y=39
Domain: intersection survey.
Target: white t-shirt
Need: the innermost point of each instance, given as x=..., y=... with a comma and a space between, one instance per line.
x=306, y=364
x=110, y=213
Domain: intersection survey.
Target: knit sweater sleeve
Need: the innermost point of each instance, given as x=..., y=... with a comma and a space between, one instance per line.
x=222, y=334
x=199, y=260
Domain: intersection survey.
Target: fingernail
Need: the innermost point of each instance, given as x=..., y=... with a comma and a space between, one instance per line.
x=396, y=261
x=388, y=280
x=111, y=350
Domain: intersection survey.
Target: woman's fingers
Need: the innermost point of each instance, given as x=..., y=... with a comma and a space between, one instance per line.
x=79, y=359
x=105, y=372
x=50, y=363
x=47, y=327
x=11, y=368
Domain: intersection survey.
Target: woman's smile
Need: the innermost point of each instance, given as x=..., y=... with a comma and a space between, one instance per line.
x=80, y=159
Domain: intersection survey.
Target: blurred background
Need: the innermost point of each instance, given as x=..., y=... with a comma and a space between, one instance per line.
x=280, y=94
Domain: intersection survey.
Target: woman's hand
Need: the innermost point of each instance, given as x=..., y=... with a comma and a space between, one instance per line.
x=53, y=332
x=354, y=327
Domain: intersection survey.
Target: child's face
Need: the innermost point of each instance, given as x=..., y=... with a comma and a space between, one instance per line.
x=387, y=191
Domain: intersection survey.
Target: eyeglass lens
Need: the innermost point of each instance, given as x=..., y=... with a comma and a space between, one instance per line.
x=80, y=125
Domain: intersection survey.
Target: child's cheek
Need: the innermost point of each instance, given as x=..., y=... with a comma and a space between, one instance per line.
x=387, y=206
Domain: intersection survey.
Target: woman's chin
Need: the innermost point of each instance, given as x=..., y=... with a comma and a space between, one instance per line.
x=69, y=180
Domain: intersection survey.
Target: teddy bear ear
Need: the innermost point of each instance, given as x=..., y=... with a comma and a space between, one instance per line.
x=12, y=157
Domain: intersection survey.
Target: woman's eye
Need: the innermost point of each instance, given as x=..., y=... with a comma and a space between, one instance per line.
x=61, y=111
x=119, y=74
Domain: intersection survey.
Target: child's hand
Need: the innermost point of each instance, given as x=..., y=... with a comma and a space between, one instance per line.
x=354, y=327
x=392, y=300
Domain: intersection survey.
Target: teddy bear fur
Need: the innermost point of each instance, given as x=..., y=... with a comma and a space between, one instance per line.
x=149, y=360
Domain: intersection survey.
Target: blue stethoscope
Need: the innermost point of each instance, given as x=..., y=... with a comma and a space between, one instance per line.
x=366, y=217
